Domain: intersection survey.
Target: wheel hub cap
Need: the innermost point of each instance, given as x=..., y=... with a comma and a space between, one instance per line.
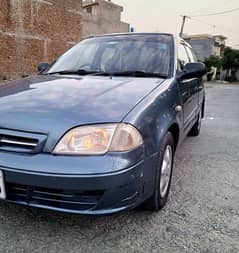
x=166, y=168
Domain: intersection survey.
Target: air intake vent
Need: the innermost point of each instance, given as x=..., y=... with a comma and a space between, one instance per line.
x=20, y=141
x=17, y=142
x=59, y=199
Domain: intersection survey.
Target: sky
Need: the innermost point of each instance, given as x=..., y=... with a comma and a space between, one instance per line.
x=164, y=16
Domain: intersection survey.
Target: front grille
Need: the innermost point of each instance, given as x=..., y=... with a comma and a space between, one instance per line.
x=59, y=199
x=16, y=141
x=7, y=141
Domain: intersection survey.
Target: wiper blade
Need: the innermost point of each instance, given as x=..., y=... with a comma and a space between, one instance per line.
x=72, y=72
x=102, y=74
x=139, y=74
x=98, y=73
x=132, y=73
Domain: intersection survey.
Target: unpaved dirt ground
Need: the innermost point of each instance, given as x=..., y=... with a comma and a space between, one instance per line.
x=1, y=82
x=202, y=214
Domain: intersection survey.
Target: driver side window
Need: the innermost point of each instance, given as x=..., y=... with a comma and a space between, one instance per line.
x=182, y=57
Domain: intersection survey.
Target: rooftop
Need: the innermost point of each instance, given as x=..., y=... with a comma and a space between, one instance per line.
x=86, y=5
x=89, y=3
x=203, y=36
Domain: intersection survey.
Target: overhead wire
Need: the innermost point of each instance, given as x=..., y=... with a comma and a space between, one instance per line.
x=210, y=14
x=194, y=17
x=216, y=13
x=212, y=25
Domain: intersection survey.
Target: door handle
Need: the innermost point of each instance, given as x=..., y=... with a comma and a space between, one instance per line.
x=199, y=88
x=186, y=94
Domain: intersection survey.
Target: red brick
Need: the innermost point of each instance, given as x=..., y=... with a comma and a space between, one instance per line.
x=32, y=31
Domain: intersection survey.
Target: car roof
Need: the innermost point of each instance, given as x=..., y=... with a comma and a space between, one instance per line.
x=130, y=34
x=176, y=37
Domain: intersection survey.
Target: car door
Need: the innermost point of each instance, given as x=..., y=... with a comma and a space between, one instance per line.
x=187, y=89
x=199, y=87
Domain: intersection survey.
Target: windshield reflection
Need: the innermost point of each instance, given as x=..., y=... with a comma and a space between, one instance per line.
x=110, y=54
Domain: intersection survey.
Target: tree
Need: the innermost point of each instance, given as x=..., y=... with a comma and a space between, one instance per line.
x=213, y=61
x=230, y=62
x=210, y=62
x=230, y=58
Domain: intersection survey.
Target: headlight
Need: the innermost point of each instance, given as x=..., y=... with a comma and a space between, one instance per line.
x=99, y=139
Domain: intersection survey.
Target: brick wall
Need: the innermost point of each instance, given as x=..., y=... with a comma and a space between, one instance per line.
x=33, y=31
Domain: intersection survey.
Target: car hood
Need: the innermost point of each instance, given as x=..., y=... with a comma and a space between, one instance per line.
x=54, y=104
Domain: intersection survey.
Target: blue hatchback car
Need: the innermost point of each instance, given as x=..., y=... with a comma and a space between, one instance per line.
x=96, y=131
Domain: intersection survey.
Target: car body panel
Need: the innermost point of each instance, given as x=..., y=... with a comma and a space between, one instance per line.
x=71, y=165
x=39, y=104
x=156, y=114
x=50, y=105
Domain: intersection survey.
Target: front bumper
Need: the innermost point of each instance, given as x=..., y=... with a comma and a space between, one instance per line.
x=95, y=194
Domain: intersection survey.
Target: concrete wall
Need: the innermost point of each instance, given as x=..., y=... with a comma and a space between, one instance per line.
x=32, y=31
x=203, y=48
x=207, y=45
x=105, y=18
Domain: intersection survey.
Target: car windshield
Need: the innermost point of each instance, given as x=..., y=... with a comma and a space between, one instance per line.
x=118, y=54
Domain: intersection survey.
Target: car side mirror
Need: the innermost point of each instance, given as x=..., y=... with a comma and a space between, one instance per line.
x=193, y=70
x=43, y=66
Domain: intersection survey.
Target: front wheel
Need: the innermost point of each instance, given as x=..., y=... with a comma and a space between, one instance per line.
x=163, y=175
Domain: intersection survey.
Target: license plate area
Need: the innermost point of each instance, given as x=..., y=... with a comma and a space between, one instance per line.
x=2, y=186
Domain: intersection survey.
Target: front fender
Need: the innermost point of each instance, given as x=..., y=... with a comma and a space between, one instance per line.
x=155, y=114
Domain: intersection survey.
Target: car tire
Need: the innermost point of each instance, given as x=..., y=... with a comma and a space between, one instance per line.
x=195, y=131
x=160, y=195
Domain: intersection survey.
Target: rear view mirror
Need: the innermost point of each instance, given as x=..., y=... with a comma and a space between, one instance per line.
x=193, y=70
x=43, y=66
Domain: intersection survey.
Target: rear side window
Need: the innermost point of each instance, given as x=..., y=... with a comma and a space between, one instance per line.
x=191, y=55
x=182, y=57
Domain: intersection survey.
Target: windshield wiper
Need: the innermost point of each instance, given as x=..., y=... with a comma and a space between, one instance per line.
x=72, y=72
x=131, y=73
x=101, y=73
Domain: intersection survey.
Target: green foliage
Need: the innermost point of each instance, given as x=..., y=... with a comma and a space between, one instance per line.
x=229, y=62
x=230, y=59
x=213, y=61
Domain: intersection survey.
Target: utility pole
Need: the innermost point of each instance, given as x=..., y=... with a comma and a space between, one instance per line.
x=183, y=24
